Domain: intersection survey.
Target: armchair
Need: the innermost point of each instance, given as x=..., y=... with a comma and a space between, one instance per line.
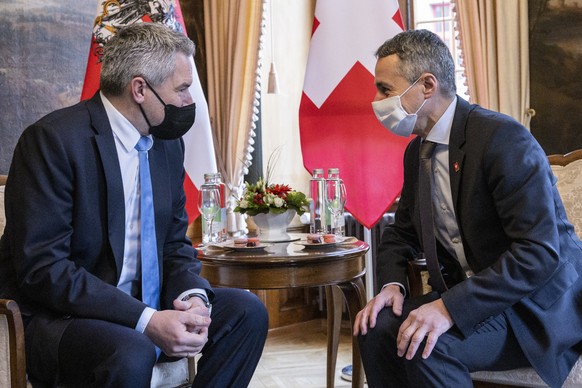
x=568, y=169
x=12, y=354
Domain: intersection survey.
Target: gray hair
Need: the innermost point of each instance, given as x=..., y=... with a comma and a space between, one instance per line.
x=422, y=51
x=141, y=49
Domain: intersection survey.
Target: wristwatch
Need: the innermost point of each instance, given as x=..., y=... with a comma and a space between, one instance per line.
x=201, y=296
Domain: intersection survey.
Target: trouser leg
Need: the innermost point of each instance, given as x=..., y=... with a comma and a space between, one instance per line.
x=492, y=347
x=93, y=353
x=382, y=366
x=236, y=339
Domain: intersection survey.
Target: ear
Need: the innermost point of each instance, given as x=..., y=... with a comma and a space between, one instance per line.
x=430, y=84
x=137, y=86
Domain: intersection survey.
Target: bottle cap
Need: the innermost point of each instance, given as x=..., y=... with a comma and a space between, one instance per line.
x=211, y=175
x=333, y=171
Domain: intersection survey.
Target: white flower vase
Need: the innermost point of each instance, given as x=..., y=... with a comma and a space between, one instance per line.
x=273, y=227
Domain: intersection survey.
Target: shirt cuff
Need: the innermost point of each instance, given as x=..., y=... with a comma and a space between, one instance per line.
x=192, y=291
x=402, y=289
x=146, y=315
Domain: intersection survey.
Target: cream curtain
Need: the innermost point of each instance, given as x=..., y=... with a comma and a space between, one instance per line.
x=494, y=40
x=234, y=33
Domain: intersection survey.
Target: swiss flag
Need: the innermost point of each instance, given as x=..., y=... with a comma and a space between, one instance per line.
x=113, y=15
x=337, y=125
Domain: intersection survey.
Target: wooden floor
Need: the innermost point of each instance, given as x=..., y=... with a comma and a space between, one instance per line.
x=295, y=356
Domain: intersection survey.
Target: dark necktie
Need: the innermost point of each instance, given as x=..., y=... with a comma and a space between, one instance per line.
x=150, y=278
x=425, y=185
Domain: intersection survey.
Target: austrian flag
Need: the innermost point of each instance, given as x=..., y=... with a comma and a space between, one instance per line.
x=337, y=125
x=111, y=16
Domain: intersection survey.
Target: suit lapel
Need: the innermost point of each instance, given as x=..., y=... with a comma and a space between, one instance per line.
x=456, y=153
x=113, y=182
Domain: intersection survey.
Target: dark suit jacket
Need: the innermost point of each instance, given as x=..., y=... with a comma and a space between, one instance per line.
x=516, y=237
x=62, y=250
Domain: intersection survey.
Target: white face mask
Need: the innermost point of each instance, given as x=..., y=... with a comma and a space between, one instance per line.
x=392, y=115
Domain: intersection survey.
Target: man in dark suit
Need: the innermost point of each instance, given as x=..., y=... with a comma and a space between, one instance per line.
x=71, y=248
x=506, y=250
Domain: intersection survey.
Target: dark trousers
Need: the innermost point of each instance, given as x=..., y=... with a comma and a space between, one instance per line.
x=95, y=353
x=492, y=347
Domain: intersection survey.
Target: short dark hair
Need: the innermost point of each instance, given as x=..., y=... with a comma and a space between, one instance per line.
x=141, y=49
x=422, y=51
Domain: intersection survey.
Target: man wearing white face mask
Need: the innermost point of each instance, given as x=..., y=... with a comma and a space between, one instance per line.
x=393, y=116
x=507, y=254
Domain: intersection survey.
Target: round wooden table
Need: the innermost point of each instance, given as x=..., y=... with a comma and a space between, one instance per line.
x=289, y=264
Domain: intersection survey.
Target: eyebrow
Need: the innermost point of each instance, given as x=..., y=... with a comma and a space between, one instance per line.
x=382, y=85
x=184, y=85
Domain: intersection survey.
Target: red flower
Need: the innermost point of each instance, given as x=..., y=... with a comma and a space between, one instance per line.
x=258, y=199
x=279, y=190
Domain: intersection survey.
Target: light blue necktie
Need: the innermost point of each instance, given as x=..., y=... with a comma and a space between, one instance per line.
x=150, y=276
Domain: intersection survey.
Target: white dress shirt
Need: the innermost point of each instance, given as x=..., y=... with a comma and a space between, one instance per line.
x=126, y=137
x=446, y=226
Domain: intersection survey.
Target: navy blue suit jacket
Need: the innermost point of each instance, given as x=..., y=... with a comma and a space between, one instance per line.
x=525, y=254
x=62, y=250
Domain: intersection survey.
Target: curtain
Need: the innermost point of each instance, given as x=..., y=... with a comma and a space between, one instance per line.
x=493, y=35
x=234, y=32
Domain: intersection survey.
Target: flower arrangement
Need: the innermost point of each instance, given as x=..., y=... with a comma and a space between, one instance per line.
x=264, y=197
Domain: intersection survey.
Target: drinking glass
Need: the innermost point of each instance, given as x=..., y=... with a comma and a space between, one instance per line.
x=335, y=199
x=209, y=206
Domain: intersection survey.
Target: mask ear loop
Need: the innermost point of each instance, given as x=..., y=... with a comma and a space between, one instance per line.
x=140, y=105
x=421, y=105
x=407, y=89
x=155, y=93
x=144, y=115
x=401, y=94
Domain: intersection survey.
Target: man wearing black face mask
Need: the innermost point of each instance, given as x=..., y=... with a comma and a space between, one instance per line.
x=75, y=241
x=177, y=120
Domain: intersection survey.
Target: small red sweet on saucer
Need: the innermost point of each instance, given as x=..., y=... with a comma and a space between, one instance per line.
x=314, y=238
x=253, y=242
x=241, y=242
x=329, y=238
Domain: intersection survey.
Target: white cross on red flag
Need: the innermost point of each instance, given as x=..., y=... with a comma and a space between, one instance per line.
x=337, y=125
x=199, y=148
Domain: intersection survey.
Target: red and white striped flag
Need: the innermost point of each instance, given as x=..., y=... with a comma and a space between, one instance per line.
x=114, y=14
x=337, y=125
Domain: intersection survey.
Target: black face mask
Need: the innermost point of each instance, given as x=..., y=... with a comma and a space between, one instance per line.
x=177, y=120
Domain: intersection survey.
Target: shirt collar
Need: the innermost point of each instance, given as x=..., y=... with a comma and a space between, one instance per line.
x=125, y=132
x=441, y=131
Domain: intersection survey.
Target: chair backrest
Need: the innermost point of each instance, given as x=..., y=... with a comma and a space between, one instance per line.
x=2, y=214
x=12, y=356
x=568, y=169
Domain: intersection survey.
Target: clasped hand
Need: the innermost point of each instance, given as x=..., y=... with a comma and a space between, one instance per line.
x=182, y=332
x=429, y=320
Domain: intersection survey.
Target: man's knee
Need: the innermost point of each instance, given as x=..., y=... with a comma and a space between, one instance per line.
x=244, y=309
x=387, y=325
x=118, y=356
x=254, y=311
